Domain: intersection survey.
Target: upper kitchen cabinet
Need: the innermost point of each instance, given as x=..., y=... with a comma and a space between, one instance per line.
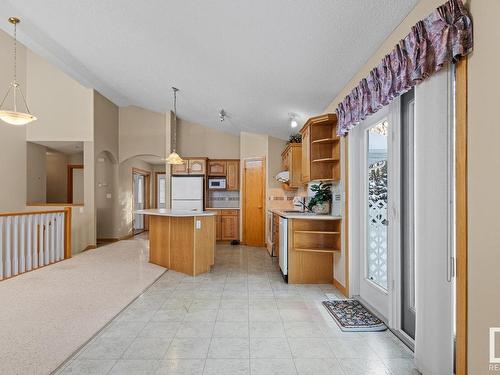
x=320, y=149
x=232, y=175
x=193, y=166
x=217, y=167
x=197, y=166
x=183, y=168
x=292, y=162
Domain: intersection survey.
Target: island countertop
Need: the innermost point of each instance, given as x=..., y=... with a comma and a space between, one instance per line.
x=171, y=213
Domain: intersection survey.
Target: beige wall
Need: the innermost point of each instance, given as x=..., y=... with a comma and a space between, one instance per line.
x=64, y=107
x=275, y=147
x=106, y=145
x=141, y=132
x=106, y=195
x=12, y=138
x=106, y=122
x=198, y=140
x=36, y=173
x=483, y=135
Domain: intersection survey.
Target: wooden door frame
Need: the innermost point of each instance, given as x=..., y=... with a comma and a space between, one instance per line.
x=461, y=238
x=69, y=181
x=264, y=197
x=155, y=189
x=147, y=191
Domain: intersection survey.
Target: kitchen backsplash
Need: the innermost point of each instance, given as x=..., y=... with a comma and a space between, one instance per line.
x=223, y=199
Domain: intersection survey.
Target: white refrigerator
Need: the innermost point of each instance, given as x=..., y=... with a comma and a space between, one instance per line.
x=187, y=193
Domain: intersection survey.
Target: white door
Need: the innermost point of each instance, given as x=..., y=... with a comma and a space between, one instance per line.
x=371, y=154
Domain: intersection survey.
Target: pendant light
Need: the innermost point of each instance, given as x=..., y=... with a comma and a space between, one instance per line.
x=174, y=158
x=13, y=117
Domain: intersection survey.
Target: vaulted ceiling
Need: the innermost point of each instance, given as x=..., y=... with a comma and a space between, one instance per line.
x=259, y=60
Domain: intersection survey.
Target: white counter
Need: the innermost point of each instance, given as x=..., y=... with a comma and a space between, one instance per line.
x=168, y=212
x=304, y=215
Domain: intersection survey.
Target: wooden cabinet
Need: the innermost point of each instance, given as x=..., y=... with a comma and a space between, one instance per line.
x=311, y=247
x=306, y=155
x=180, y=168
x=276, y=235
x=232, y=175
x=197, y=166
x=227, y=225
x=292, y=162
x=320, y=149
x=216, y=167
x=218, y=232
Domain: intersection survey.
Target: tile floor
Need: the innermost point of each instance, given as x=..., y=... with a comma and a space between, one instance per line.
x=239, y=319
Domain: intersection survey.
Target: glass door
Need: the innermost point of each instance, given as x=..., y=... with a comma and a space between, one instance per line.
x=374, y=196
x=161, y=186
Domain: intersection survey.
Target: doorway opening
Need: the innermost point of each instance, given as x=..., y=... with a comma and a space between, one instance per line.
x=141, y=189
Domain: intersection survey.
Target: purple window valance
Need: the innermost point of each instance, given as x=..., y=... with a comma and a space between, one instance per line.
x=443, y=37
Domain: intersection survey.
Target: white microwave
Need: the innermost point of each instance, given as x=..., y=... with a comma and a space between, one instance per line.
x=216, y=183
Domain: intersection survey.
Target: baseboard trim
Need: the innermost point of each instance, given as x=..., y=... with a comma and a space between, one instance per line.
x=90, y=247
x=342, y=289
x=126, y=237
x=108, y=239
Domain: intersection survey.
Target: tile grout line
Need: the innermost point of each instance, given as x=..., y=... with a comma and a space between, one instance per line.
x=76, y=353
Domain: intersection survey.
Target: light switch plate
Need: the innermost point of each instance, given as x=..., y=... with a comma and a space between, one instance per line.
x=108, y=196
x=198, y=224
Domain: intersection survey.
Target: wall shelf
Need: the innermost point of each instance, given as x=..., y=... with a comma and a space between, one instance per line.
x=307, y=250
x=325, y=160
x=326, y=140
x=315, y=232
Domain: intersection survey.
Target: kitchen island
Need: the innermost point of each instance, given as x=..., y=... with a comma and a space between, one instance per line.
x=182, y=241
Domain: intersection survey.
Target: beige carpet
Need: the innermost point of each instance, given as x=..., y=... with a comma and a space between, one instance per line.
x=47, y=314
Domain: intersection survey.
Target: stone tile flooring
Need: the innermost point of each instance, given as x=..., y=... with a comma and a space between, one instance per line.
x=239, y=319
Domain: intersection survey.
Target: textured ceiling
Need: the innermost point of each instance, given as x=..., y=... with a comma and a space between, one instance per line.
x=257, y=59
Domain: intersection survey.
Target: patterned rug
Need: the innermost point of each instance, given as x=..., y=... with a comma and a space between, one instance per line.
x=352, y=316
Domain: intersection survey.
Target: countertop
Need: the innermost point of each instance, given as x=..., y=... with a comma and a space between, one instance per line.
x=168, y=212
x=223, y=208
x=303, y=216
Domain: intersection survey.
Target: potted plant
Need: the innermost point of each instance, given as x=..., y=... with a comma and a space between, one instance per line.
x=295, y=138
x=320, y=202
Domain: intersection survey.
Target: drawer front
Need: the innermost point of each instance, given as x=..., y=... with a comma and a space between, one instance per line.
x=229, y=212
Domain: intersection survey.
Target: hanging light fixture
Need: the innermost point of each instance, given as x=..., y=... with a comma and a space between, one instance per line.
x=13, y=117
x=174, y=157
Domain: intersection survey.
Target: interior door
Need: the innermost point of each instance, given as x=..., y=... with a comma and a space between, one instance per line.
x=253, y=202
x=139, y=198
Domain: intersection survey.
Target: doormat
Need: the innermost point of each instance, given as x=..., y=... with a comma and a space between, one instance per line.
x=352, y=316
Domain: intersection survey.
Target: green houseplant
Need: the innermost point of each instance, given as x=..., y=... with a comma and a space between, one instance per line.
x=320, y=202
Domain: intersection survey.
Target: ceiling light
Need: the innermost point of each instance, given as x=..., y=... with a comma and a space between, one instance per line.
x=222, y=115
x=174, y=157
x=293, y=120
x=13, y=117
